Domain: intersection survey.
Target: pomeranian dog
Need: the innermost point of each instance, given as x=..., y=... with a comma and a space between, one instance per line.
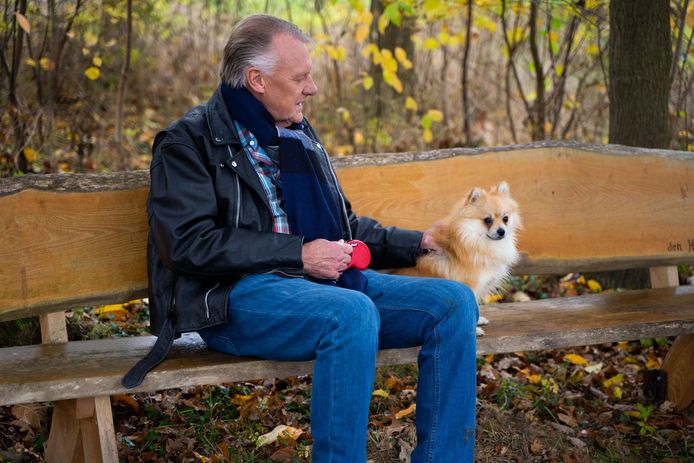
x=478, y=241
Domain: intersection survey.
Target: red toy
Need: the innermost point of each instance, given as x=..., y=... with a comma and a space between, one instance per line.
x=361, y=256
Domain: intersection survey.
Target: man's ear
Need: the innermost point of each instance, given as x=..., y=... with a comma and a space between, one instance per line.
x=255, y=80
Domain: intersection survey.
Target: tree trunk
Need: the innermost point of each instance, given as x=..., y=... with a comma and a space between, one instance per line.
x=640, y=57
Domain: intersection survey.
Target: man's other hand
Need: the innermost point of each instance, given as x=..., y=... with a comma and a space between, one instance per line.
x=428, y=242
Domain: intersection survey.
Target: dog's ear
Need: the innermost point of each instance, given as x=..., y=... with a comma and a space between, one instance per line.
x=501, y=188
x=475, y=195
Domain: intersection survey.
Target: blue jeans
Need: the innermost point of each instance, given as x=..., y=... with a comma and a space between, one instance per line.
x=293, y=319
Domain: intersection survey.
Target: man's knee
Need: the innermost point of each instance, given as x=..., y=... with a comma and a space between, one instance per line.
x=357, y=314
x=457, y=301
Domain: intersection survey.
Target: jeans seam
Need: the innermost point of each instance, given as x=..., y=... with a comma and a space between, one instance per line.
x=437, y=397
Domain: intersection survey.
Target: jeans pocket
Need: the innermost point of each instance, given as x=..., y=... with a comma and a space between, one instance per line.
x=217, y=342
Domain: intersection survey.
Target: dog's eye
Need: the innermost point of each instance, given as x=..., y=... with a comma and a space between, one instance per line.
x=488, y=220
x=505, y=219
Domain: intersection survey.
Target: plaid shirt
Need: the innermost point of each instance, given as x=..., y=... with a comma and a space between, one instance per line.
x=268, y=170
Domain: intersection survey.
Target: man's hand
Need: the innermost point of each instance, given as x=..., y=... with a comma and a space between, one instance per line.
x=326, y=260
x=428, y=242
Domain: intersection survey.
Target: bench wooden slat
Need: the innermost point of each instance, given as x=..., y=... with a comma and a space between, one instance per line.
x=90, y=368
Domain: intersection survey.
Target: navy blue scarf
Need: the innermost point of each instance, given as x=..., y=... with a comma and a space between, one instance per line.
x=307, y=195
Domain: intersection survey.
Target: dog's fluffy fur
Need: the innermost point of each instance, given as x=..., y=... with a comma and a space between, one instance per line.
x=478, y=239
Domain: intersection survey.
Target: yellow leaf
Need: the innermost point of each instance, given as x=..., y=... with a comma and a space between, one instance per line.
x=282, y=430
x=381, y=393
x=382, y=23
x=367, y=82
x=46, y=64
x=370, y=49
x=362, y=33
x=321, y=38
x=491, y=298
x=410, y=104
x=592, y=49
x=30, y=62
x=365, y=17
x=23, y=23
x=617, y=392
x=109, y=308
x=202, y=458
x=444, y=38
x=387, y=61
x=401, y=56
x=575, y=359
x=623, y=345
x=436, y=115
x=391, y=382
x=690, y=16
x=90, y=39
x=427, y=136
x=431, y=44
x=393, y=80
x=29, y=154
x=92, y=73
x=536, y=447
x=594, y=286
x=614, y=381
x=652, y=364
x=240, y=399
x=358, y=137
x=345, y=113
x=96, y=61
x=332, y=52
x=408, y=411
x=535, y=379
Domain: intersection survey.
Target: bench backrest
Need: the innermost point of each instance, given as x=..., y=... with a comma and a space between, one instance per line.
x=71, y=240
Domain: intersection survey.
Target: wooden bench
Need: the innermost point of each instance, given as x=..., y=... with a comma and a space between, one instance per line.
x=79, y=240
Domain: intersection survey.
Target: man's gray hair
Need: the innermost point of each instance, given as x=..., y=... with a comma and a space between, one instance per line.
x=250, y=45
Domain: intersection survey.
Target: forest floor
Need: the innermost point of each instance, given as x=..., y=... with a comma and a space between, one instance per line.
x=573, y=405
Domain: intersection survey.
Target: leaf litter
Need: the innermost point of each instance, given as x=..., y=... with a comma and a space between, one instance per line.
x=574, y=405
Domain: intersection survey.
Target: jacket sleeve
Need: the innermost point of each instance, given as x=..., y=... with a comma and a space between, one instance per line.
x=188, y=232
x=391, y=247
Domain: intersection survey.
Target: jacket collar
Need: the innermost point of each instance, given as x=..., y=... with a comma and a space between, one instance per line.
x=220, y=124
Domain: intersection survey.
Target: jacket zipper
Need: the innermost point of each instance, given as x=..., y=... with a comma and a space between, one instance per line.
x=238, y=194
x=207, y=294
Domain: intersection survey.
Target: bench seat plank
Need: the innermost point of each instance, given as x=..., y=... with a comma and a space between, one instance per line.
x=90, y=368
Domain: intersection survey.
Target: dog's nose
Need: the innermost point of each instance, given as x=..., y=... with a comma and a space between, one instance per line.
x=500, y=231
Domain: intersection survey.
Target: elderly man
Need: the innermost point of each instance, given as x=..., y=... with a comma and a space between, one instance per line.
x=248, y=246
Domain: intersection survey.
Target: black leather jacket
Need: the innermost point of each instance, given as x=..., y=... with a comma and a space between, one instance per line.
x=210, y=222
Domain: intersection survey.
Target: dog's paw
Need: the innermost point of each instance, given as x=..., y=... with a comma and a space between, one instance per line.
x=480, y=331
x=482, y=321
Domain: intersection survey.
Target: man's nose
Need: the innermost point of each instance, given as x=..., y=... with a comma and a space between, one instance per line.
x=311, y=88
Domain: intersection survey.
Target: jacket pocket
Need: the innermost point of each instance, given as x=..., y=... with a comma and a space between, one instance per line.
x=200, y=304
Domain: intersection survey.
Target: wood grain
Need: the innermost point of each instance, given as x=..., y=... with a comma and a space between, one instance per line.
x=89, y=368
x=80, y=239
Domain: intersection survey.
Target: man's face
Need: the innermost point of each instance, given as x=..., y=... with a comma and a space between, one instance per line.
x=289, y=84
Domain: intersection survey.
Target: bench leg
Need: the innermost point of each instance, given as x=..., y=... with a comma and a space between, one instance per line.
x=82, y=431
x=680, y=373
